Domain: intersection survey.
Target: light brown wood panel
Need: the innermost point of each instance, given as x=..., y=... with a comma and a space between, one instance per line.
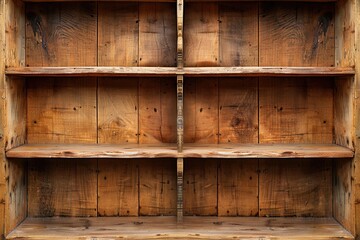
x=61, y=34
x=295, y=188
x=118, y=33
x=238, y=110
x=296, y=110
x=118, y=191
x=157, y=114
x=61, y=110
x=238, y=187
x=157, y=34
x=206, y=110
x=189, y=110
x=157, y=190
x=118, y=110
x=296, y=34
x=62, y=187
x=238, y=34
x=201, y=34
x=200, y=187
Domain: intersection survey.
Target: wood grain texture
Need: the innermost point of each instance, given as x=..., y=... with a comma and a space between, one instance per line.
x=157, y=34
x=62, y=187
x=61, y=34
x=296, y=34
x=238, y=188
x=118, y=34
x=238, y=110
x=295, y=188
x=201, y=35
x=61, y=111
x=118, y=110
x=296, y=110
x=118, y=192
x=189, y=110
x=200, y=187
x=238, y=34
x=192, y=228
x=157, y=110
x=157, y=190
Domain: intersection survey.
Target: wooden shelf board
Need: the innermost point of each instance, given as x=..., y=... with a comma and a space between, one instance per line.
x=93, y=151
x=190, y=228
x=172, y=71
x=266, y=151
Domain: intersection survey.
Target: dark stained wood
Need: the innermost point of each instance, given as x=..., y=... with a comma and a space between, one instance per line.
x=61, y=110
x=296, y=110
x=238, y=187
x=61, y=34
x=238, y=110
x=157, y=187
x=118, y=36
x=118, y=192
x=157, y=35
x=299, y=188
x=238, y=39
x=200, y=187
x=296, y=34
x=192, y=228
x=62, y=187
x=189, y=110
x=118, y=110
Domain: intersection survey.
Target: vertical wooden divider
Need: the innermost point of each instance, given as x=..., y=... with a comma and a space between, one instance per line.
x=180, y=107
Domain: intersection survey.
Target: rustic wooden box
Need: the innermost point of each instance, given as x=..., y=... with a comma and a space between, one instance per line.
x=179, y=120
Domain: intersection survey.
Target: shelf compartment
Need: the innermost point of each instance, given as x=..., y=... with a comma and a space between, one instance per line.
x=265, y=151
x=191, y=228
x=93, y=151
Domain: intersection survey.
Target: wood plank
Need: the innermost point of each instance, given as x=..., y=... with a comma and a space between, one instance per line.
x=295, y=188
x=264, y=151
x=93, y=151
x=201, y=35
x=238, y=34
x=296, y=34
x=118, y=191
x=180, y=112
x=192, y=228
x=296, y=110
x=180, y=189
x=168, y=110
x=157, y=34
x=238, y=110
x=238, y=188
x=157, y=187
x=61, y=111
x=189, y=110
x=118, y=110
x=49, y=193
x=200, y=187
x=118, y=36
x=61, y=34
x=189, y=71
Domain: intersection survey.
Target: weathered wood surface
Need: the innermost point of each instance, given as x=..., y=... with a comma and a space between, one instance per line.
x=93, y=151
x=191, y=228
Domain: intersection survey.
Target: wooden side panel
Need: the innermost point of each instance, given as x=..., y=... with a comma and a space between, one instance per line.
x=238, y=110
x=61, y=34
x=62, y=187
x=295, y=188
x=201, y=34
x=118, y=110
x=118, y=36
x=157, y=39
x=118, y=192
x=238, y=187
x=238, y=34
x=296, y=110
x=296, y=34
x=61, y=110
x=200, y=187
x=157, y=115
x=157, y=187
